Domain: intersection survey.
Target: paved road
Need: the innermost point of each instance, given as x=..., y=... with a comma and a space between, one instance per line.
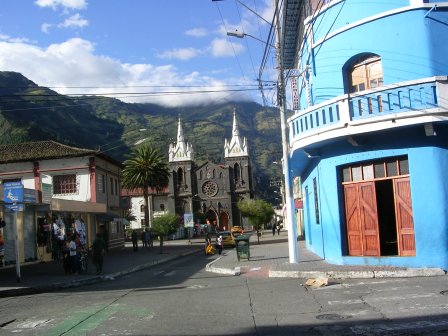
x=180, y=298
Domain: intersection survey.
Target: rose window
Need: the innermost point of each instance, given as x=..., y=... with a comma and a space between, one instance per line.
x=210, y=188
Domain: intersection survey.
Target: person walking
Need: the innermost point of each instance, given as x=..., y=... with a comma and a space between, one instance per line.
x=73, y=254
x=98, y=249
x=273, y=229
x=144, y=239
x=278, y=229
x=134, y=238
x=219, y=243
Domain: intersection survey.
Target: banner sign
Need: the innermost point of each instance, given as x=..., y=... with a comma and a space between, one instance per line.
x=13, y=195
x=295, y=94
x=188, y=220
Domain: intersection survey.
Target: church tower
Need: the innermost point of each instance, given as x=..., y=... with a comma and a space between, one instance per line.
x=236, y=157
x=182, y=185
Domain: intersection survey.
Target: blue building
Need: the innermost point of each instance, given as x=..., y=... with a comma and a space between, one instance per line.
x=369, y=134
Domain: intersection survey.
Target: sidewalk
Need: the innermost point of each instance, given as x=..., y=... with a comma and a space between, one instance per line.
x=41, y=277
x=271, y=258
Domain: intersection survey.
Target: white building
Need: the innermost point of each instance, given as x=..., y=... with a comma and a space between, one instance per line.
x=68, y=187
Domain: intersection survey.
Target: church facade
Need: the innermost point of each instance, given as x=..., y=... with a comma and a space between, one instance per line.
x=209, y=191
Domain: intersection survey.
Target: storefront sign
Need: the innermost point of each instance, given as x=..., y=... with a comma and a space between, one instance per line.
x=47, y=193
x=29, y=196
x=13, y=195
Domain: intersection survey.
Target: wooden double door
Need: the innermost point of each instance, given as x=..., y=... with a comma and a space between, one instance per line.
x=379, y=219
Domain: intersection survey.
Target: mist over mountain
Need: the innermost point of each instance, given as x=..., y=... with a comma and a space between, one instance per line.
x=29, y=112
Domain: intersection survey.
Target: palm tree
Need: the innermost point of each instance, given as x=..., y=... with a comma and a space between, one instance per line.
x=145, y=169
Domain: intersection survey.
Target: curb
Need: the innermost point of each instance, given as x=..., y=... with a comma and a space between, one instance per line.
x=406, y=273
x=88, y=281
x=221, y=270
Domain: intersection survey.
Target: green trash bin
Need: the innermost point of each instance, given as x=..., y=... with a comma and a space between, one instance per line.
x=242, y=247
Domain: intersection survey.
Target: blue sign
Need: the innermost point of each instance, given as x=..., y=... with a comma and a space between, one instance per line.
x=13, y=195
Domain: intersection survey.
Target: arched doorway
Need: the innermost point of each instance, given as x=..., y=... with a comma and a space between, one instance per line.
x=224, y=221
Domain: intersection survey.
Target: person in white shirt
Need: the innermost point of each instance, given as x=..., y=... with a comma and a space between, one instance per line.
x=73, y=255
x=219, y=243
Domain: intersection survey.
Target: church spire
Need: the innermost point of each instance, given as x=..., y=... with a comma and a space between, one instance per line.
x=236, y=146
x=181, y=150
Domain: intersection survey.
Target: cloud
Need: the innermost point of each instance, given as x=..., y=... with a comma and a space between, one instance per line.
x=74, y=63
x=74, y=21
x=45, y=27
x=197, y=32
x=181, y=54
x=66, y=4
x=221, y=47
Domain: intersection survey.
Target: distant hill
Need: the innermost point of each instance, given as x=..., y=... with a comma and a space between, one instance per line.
x=29, y=112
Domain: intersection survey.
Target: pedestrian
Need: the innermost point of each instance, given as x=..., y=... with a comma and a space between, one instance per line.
x=219, y=243
x=278, y=229
x=98, y=249
x=73, y=255
x=273, y=229
x=144, y=240
x=134, y=238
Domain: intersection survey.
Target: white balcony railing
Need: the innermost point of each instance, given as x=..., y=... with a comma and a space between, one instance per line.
x=402, y=104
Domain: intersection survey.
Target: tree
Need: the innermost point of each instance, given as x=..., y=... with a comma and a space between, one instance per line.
x=257, y=211
x=164, y=226
x=145, y=169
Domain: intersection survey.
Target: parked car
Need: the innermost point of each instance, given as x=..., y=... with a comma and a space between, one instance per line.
x=228, y=239
x=236, y=230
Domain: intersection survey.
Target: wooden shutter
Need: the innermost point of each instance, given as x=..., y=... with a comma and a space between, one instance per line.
x=369, y=219
x=404, y=218
x=354, y=234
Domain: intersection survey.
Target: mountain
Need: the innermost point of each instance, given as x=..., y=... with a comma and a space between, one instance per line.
x=29, y=112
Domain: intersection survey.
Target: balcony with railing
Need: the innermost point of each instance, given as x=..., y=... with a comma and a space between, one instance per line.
x=401, y=104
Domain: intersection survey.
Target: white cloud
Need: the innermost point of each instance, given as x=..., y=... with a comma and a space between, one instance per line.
x=45, y=27
x=197, y=32
x=224, y=48
x=75, y=64
x=67, y=4
x=74, y=21
x=181, y=54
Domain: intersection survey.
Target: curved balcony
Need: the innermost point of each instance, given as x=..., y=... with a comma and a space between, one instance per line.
x=401, y=104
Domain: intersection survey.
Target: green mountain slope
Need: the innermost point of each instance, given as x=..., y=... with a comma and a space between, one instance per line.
x=29, y=112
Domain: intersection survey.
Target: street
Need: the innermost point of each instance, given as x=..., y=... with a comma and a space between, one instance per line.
x=180, y=298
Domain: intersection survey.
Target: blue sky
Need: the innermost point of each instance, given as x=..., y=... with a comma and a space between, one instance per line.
x=139, y=46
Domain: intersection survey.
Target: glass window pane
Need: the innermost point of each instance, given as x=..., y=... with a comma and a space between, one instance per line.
x=404, y=166
x=357, y=173
x=346, y=174
x=367, y=172
x=392, y=169
x=379, y=170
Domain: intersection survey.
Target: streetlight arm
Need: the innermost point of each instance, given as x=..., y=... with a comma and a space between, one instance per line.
x=239, y=34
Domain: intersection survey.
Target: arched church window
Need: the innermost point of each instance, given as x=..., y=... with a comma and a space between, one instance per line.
x=142, y=208
x=180, y=176
x=237, y=172
x=366, y=73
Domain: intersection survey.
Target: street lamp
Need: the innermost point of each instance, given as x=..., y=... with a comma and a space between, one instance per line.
x=289, y=200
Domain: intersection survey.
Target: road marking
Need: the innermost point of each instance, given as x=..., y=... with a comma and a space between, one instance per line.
x=158, y=273
x=356, y=301
x=170, y=273
x=402, y=297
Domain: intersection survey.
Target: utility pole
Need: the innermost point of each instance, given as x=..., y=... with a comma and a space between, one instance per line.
x=281, y=101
